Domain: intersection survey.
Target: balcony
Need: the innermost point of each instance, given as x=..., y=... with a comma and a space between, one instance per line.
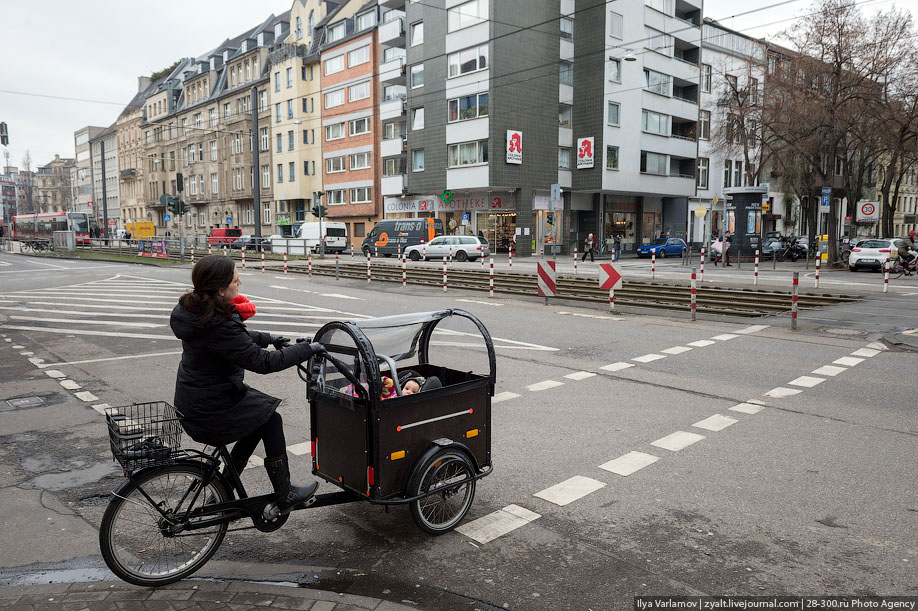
x=129, y=173
x=392, y=33
x=393, y=147
x=394, y=185
x=396, y=4
x=392, y=109
x=392, y=72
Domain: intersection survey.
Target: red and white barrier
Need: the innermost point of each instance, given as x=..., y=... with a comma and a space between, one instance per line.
x=491, y=279
x=243, y=256
x=481, y=256
x=653, y=265
x=886, y=276
x=404, y=270
x=192, y=253
x=704, y=255
x=818, y=261
x=262, y=260
x=694, y=295
x=755, y=276
x=444, y=275
x=309, y=261
x=793, y=312
x=209, y=249
x=369, y=273
x=511, y=258
x=575, y=259
x=424, y=248
x=285, y=261
x=612, y=252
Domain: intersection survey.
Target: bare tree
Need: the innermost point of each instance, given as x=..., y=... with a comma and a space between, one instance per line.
x=28, y=180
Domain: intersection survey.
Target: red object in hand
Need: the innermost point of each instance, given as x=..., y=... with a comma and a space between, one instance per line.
x=245, y=307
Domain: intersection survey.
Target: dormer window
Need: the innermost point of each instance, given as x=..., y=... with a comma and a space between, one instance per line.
x=335, y=32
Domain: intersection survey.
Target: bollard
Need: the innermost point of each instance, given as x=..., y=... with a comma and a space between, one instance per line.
x=774, y=259
x=793, y=312
x=337, y=269
x=450, y=256
x=653, y=265
x=818, y=263
x=886, y=276
x=481, y=256
x=424, y=248
x=542, y=251
x=309, y=261
x=491, y=279
x=612, y=252
x=694, y=292
x=285, y=261
x=575, y=259
x=192, y=253
x=511, y=258
x=703, y=257
x=209, y=251
x=243, y=256
x=611, y=300
x=224, y=250
x=352, y=252
x=444, y=275
x=404, y=271
x=262, y=261
x=755, y=276
x=376, y=253
x=369, y=273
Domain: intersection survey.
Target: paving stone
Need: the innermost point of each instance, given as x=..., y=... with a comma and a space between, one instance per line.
x=254, y=598
x=82, y=596
x=295, y=604
x=170, y=594
x=200, y=596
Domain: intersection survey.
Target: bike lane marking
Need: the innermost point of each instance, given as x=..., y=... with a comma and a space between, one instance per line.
x=570, y=490
x=498, y=523
x=677, y=441
x=629, y=463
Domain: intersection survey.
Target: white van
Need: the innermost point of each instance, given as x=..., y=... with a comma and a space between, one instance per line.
x=307, y=235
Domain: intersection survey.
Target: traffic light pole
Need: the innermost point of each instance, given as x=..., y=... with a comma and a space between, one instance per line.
x=256, y=179
x=180, y=212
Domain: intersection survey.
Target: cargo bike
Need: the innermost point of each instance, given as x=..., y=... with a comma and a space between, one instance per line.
x=426, y=450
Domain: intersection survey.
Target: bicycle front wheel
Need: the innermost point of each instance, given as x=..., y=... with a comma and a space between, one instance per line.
x=143, y=546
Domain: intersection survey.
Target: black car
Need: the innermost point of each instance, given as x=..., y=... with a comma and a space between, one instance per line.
x=252, y=243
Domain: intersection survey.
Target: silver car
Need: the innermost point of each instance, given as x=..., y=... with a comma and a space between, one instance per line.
x=462, y=248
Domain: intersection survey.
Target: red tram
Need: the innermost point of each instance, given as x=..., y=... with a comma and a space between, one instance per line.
x=43, y=225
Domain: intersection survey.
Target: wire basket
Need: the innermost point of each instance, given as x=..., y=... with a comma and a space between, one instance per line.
x=144, y=435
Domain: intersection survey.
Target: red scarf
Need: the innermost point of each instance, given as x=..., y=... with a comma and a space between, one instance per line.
x=245, y=307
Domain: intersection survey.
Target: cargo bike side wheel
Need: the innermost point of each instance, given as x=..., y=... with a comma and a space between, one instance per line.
x=439, y=513
x=150, y=544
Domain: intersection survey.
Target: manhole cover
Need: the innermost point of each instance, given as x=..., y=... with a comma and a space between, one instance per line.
x=843, y=331
x=24, y=402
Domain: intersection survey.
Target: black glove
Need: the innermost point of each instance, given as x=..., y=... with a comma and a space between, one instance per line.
x=279, y=342
x=317, y=348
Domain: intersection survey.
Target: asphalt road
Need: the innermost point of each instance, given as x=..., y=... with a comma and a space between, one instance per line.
x=634, y=454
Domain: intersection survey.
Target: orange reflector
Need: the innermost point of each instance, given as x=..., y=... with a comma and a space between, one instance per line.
x=397, y=455
x=370, y=474
x=472, y=433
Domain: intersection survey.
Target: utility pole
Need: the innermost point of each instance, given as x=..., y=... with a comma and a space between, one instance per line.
x=104, y=192
x=320, y=212
x=256, y=178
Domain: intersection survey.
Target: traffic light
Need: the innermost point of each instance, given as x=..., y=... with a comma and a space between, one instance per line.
x=170, y=206
x=179, y=182
x=186, y=207
x=319, y=211
x=4, y=135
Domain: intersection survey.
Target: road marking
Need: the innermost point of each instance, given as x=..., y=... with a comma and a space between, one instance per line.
x=61, y=331
x=676, y=350
x=63, y=269
x=112, y=358
x=287, y=288
x=255, y=461
x=298, y=449
x=580, y=375
x=585, y=315
x=544, y=385
x=53, y=373
x=676, y=441
x=756, y=401
x=829, y=370
x=781, y=392
x=570, y=490
x=629, y=463
x=496, y=524
x=26, y=353
x=83, y=313
x=701, y=343
x=724, y=337
x=36, y=361
x=114, y=323
x=101, y=407
x=86, y=396
x=865, y=352
x=617, y=366
x=752, y=329
x=503, y=396
x=807, y=381
x=340, y=296
x=647, y=358
x=488, y=303
x=18, y=347
x=715, y=423
x=878, y=346
x=69, y=384
x=747, y=408
x=847, y=361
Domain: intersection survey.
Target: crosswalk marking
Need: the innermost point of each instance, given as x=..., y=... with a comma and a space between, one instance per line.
x=570, y=490
x=677, y=441
x=781, y=392
x=498, y=523
x=715, y=423
x=629, y=463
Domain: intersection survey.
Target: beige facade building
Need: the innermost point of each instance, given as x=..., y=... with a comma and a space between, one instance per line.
x=52, y=186
x=131, y=156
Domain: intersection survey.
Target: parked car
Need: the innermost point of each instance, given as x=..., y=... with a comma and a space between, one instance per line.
x=252, y=243
x=770, y=245
x=223, y=236
x=872, y=254
x=663, y=247
x=463, y=248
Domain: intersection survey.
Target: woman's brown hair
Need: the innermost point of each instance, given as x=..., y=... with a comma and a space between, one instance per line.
x=209, y=275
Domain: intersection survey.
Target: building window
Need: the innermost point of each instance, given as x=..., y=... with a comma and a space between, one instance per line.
x=468, y=153
x=701, y=177
x=360, y=126
x=611, y=157
x=737, y=173
x=664, y=6
x=213, y=150
x=264, y=139
x=334, y=98
x=468, y=107
x=657, y=82
x=653, y=163
x=335, y=32
x=360, y=195
x=277, y=81
x=566, y=73
x=291, y=173
x=615, y=70
x=334, y=132
x=360, y=230
x=417, y=118
x=335, y=197
x=417, y=76
x=564, y=158
x=290, y=141
x=468, y=60
x=732, y=86
x=706, y=78
x=360, y=91
x=197, y=120
x=564, y=115
x=289, y=77
x=656, y=40
x=277, y=112
x=754, y=91
x=334, y=64
x=333, y=165
x=280, y=173
x=417, y=33
x=226, y=110
x=280, y=143
x=212, y=117
x=466, y=15
x=360, y=161
x=654, y=123
x=704, y=124
x=358, y=56
x=213, y=184
x=366, y=20
x=394, y=166
x=266, y=215
x=612, y=114
x=306, y=168
x=417, y=160
x=265, y=176
x=289, y=109
x=727, y=175
x=615, y=25
x=567, y=28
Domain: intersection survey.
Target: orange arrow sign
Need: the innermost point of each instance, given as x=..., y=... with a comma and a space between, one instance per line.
x=609, y=276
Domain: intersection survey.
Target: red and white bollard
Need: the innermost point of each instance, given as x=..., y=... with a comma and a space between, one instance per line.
x=491, y=279
x=352, y=252
x=611, y=300
x=224, y=250
x=575, y=259
x=793, y=312
x=755, y=276
x=369, y=273
x=694, y=292
x=703, y=257
x=612, y=252
x=542, y=250
x=285, y=261
x=444, y=275
x=818, y=261
x=243, y=256
x=376, y=252
x=424, y=248
x=192, y=253
x=309, y=261
x=404, y=270
x=262, y=260
x=481, y=256
x=511, y=258
x=653, y=265
x=886, y=276
x=450, y=256
x=209, y=249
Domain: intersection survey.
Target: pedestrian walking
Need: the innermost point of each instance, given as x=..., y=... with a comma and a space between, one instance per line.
x=588, y=244
x=617, y=243
x=722, y=248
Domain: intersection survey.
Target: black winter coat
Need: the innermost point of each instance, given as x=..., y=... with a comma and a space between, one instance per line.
x=217, y=407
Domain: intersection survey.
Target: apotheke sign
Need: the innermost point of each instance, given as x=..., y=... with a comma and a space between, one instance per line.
x=395, y=205
x=514, y=147
x=585, y=149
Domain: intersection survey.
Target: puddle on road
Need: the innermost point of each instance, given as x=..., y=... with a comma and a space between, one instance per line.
x=74, y=478
x=59, y=576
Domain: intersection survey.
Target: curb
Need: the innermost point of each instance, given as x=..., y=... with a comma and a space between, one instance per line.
x=904, y=343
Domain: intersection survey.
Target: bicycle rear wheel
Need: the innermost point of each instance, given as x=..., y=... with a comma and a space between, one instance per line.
x=143, y=547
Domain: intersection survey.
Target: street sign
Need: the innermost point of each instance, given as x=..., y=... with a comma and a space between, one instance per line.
x=825, y=200
x=766, y=207
x=609, y=276
x=700, y=211
x=548, y=283
x=167, y=217
x=555, y=191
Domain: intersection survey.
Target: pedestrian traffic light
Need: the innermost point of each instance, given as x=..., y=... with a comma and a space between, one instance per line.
x=319, y=211
x=179, y=182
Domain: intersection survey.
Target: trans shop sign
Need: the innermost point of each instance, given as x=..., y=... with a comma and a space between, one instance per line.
x=585, y=151
x=514, y=146
x=483, y=201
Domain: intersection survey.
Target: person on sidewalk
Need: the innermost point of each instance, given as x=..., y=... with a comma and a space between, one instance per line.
x=215, y=406
x=722, y=248
x=617, y=244
x=588, y=245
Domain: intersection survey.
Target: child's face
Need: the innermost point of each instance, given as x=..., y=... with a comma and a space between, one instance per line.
x=411, y=387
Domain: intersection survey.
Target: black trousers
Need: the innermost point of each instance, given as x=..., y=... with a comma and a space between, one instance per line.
x=271, y=433
x=588, y=252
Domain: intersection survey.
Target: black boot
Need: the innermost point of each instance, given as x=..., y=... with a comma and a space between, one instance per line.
x=288, y=495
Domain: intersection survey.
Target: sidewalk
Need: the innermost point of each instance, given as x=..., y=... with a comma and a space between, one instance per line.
x=184, y=595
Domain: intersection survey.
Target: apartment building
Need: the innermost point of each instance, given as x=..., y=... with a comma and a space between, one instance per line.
x=81, y=173
x=7, y=197
x=131, y=155
x=906, y=217
x=52, y=191
x=106, y=191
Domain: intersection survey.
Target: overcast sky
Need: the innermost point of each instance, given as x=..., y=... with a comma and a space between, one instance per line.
x=95, y=50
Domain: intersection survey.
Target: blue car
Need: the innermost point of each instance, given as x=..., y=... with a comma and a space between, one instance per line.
x=673, y=247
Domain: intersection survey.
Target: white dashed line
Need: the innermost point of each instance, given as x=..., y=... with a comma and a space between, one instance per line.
x=629, y=463
x=647, y=358
x=544, y=385
x=847, y=361
x=676, y=441
x=781, y=392
x=86, y=396
x=829, y=370
x=101, y=407
x=570, y=490
x=36, y=361
x=54, y=373
x=807, y=381
x=298, y=449
x=865, y=352
x=676, y=350
x=878, y=346
x=254, y=461
x=503, y=396
x=617, y=366
x=26, y=353
x=752, y=329
x=580, y=375
x=756, y=401
x=69, y=384
x=747, y=408
x=724, y=337
x=496, y=524
x=18, y=347
x=487, y=303
x=715, y=423
x=701, y=343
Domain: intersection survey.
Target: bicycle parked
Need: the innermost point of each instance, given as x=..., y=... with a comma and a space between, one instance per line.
x=36, y=246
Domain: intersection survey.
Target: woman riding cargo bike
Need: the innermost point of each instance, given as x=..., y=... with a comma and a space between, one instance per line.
x=425, y=447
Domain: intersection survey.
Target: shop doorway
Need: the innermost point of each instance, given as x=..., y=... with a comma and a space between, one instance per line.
x=547, y=236
x=497, y=228
x=622, y=224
